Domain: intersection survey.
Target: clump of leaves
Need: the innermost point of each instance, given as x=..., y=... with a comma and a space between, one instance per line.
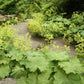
x=23, y=42
x=40, y=66
x=75, y=33
x=46, y=29
x=78, y=18
x=34, y=27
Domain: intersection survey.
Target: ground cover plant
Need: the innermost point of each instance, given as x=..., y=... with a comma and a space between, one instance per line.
x=29, y=66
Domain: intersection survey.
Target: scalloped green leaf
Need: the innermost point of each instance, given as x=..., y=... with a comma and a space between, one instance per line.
x=59, y=77
x=18, y=72
x=33, y=53
x=4, y=60
x=4, y=71
x=60, y=56
x=22, y=80
x=37, y=62
x=72, y=66
x=75, y=78
x=44, y=78
x=15, y=54
x=32, y=78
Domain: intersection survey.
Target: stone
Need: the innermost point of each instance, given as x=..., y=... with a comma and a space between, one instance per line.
x=10, y=16
x=8, y=81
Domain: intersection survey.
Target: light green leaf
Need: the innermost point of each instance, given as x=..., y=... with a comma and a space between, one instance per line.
x=72, y=66
x=4, y=60
x=18, y=72
x=74, y=30
x=75, y=78
x=60, y=77
x=22, y=80
x=24, y=61
x=68, y=31
x=15, y=54
x=37, y=62
x=82, y=79
x=32, y=78
x=82, y=33
x=43, y=78
x=4, y=71
x=52, y=55
x=34, y=53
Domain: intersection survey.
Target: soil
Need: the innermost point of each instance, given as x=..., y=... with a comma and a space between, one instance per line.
x=36, y=41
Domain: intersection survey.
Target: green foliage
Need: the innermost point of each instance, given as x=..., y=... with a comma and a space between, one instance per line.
x=38, y=17
x=8, y=5
x=67, y=66
x=32, y=78
x=22, y=42
x=9, y=53
x=22, y=80
x=18, y=72
x=36, y=67
x=57, y=56
x=51, y=30
x=29, y=66
x=46, y=29
x=75, y=33
x=61, y=78
x=6, y=37
x=49, y=9
x=15, y=54
x=72, y=29
x=13, y=21
x=4, y=60
x=44, y=77
x=4, y=71
x=37, y=62
x=34, y=26
x=60, y=19
x=4, y=3
x=77, y=18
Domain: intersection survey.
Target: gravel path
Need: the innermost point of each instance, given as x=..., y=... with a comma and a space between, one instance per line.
x=61, y=43
x=23, y=30
x=22, y=27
